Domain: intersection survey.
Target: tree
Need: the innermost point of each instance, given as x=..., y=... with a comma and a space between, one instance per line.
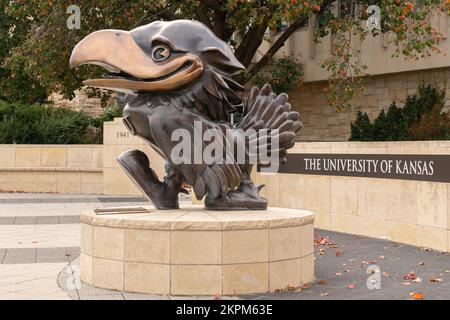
x=12, y=32
x=242, y=23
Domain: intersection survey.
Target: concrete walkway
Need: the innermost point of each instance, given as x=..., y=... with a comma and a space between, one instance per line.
x=39, y=237
x=39, y=249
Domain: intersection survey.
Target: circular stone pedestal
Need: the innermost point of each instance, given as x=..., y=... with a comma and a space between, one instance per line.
x=192, y=251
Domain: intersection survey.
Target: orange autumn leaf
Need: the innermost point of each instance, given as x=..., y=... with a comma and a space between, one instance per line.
x=418, y=296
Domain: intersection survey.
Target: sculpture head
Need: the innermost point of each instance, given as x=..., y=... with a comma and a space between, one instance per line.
x=159, y=57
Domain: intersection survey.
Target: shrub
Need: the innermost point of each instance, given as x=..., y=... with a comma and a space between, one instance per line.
x=422, y=118
x=96, y=134
x=362, y=129
x=108, y=115
x=42, y=124
x=434, y=125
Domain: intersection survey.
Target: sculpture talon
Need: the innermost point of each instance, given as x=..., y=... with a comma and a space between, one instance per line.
x=136, y=164
x=245, y=197
x=176, y=75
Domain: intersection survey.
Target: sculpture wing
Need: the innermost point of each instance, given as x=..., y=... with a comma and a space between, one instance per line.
x=265, y=110
x=216, y=177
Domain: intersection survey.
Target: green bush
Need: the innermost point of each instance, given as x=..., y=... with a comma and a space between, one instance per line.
x=96, y=124
x=42, y=124
x=108, y=115
x=420, y=119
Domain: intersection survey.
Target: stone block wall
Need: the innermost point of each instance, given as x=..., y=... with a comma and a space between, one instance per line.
x=81, y=102
x=407, y=211
x=322, y=123
x=89, y=169
x=51, y=168
x=117, y=139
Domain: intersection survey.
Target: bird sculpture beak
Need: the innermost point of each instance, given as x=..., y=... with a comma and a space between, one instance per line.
x=130, y=68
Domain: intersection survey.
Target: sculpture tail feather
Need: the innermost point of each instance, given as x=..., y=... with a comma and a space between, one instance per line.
x=265, y=110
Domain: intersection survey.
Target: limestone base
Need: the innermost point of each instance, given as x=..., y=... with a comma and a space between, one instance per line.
x=196, y=252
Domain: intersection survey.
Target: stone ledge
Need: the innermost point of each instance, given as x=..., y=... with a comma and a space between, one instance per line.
x=192, y=251
x=52, y=169
x=195, y=218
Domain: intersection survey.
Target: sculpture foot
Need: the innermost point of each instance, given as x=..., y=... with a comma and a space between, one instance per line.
x=164, y=195
x=246, y=197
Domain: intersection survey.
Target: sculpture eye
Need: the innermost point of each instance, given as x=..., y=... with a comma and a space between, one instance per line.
x=160, y=53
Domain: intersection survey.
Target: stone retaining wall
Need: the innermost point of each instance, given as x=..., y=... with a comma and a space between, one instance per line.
x=74, y=168
x=407, y=211
x=51, y=168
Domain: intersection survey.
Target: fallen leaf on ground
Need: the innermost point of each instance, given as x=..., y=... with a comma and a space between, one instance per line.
x=323, y=241
x=421, y=263
x=324, y=294
x=417, y=280
x=351, y=286
x=322, y=282
x=306, y=286
x=217, y=296
x=433, y=279
x=385, y=274
x=417, y=295
x=410, y=276
x=338, y=273
x=381, y=257
x=290, y=288
x=406, y=283
x=339, y=253
x=427, y=249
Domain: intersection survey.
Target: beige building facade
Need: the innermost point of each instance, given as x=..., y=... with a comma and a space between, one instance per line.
x=322, y=123
x=388, y=79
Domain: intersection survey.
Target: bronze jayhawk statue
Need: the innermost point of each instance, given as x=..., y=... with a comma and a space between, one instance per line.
x=179, y=75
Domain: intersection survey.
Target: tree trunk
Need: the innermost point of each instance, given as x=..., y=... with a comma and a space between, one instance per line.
x=279, y=43
x=250, y=43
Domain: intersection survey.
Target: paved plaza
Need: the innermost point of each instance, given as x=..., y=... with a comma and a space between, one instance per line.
x=39, y=250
